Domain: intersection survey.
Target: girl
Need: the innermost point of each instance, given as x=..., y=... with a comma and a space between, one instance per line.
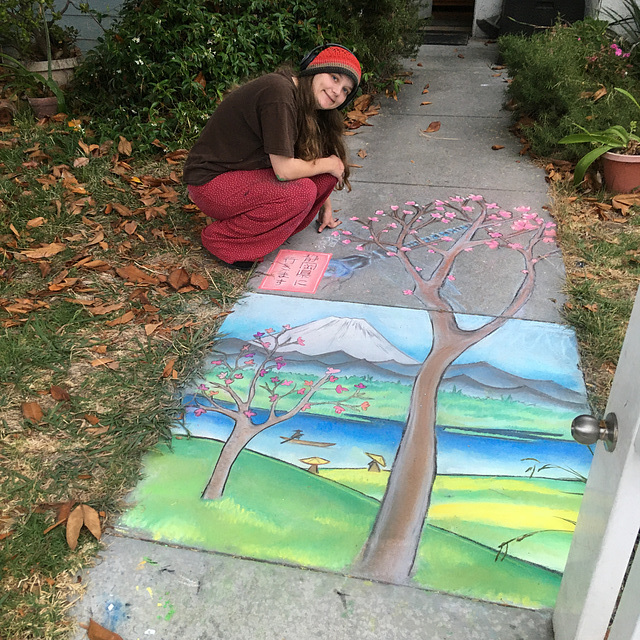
x=270, y=156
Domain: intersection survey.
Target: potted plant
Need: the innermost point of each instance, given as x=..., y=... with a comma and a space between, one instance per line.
x=619, y=149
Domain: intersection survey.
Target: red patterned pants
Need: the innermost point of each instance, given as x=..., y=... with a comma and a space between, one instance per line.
x=254, y=213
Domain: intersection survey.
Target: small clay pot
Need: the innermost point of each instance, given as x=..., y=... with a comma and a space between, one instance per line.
x=44, y=107
x=7, y=111
x=621, y=172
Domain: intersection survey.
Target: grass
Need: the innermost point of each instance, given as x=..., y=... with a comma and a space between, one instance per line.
x=301, y=518
x=69, y=320
x=602, y=262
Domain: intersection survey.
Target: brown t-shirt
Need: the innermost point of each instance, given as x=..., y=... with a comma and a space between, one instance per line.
x=253, y=121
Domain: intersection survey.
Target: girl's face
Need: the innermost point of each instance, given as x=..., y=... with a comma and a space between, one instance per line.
x=331, y=89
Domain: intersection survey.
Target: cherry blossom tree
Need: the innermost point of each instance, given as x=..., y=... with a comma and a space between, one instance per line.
x=259, y=363
x=428, y=241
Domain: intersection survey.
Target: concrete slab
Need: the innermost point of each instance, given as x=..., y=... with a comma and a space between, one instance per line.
x=485, y=279
x=142, y=589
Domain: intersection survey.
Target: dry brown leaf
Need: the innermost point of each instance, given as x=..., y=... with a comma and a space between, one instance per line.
x=123, y=319
x=198, y=280
x=97, y=431
x=92, y=521
x=124, y=146
x=32, y=411
x=178, y=278
x=106, y=308
x=81, y=162
x=422, y=104
x=150, y=328
x=362, y=153
x=92, y=419
x=59, y=393
x=35, y=222
x=98, y=632
x=45, y=251
x=130, y=227
x=110, y=363
x=131, y=273
x=602, y=91
x=74, y=524
x=168, y=369
x=625, y=201
x=497, y=147
x=433, y=127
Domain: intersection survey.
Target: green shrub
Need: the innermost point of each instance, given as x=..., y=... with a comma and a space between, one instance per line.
x=160, y=71
x=556, y=75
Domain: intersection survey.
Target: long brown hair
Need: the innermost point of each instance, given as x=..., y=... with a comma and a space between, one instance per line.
x=320, y=131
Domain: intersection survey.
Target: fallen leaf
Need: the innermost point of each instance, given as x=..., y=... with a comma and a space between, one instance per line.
x=106, y=308
x=123, y=319
x=362, y=153
x=150, y=328
x=45, y=251
x=422, y=104
x=602, y=91
x=497, y=147
x=92, y=520
x=178, y=278
x=168, y=369
x=74, y=524
x=199, y=281
x=35, y=222
x=98, y=632
x=625, y=201
x=81, y=162
x=131, y=273
x=433, y=127
x=124, y=146
x=92, y=419
x=32, y=411
x=59, y=393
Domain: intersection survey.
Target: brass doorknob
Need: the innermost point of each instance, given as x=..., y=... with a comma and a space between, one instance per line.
x=586, y=429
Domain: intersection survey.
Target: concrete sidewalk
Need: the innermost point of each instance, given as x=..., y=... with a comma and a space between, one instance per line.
x=150, y=583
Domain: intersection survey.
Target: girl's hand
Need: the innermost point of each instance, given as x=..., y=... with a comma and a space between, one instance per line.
x=326, y=219
x=336, y=167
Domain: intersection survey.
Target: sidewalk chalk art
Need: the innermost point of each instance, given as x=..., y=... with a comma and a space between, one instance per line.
x=296, y=271
x=420, y=447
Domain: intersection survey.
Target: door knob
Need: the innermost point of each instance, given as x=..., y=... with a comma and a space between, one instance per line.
x=588, y=430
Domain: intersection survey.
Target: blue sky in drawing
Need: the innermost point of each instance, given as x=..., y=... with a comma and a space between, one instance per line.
x=530, y=349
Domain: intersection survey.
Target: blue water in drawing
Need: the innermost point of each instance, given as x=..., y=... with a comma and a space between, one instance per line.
x=458, y=453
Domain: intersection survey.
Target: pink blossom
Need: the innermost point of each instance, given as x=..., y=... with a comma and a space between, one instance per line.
x=450, y=214
x=410, y=203
x=305, y=407
x=332, y=378
x=279, y=365
x=269, y=330
x=286, y=326
x=407, y=292
x=418, y=268
x=390, y=253
x=439, y=208
x=385, y=231
x=249, y=413
x=492, y=205
x=393, y=225
x=379, y=212
x=330, y=370
x=222, y=375
x=547, y=240
x=436, y=215
x=405, y=249
x=505, y=214
x=467, y=208
x=301, y=391
x=273, y=398
x=550, y=232
x=493, y=216
x=347, y=233
x=340, y=389
x=216, y=362
x=476, y=198
x=300, y=341
x=407, y=213
x=287, y=383
x=495, y=235
x=447, y=239
x=394, y=207
x=275, y=379
x=229, y=381
x=308, y=383
x=346, y=241
x=412, y=232
x=522, y=209
x=353, y=218
x=450, y=277
x=258, y=334
x=360, y=386
x=439, y=202
x=550, y=225
x=203, y=387
x=525, y=271
x=199, y=412
x=515, y=245
x=492, y=244
x=430, y=251
x=456, y=199
x=359, y=248
x=364, y=406
x=238, y=376
x=278, y=358
x=335, y=233
x=262, y=373
x=468, y=249
x=373, y=219
x=338, y=409
x=249, y=362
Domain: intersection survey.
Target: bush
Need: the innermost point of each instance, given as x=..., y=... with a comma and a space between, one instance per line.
x=162, y=68
x=557, y=75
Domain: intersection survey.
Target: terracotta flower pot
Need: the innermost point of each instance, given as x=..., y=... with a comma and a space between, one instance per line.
x=44, y=107
x=621, y=172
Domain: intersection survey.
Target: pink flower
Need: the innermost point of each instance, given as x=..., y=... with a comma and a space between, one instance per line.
x=275, y=379
x=439, y=208
x=411, y=203
x=547, y=240
x=450, y=277
x=258, y=334
x=522, y=209
x=269, y=330
x=338, y=409
x=330, y=370
x=360, y=386
x=436, y=215
x=466, y=207
x=340, y=389
x=301, y=391
x=418, y=268
x=249, y=413
x=300, y=341
x=262, y=373
x=203, y=387
x=379, y=212
x=492, y=205
x=308, y=383
x=199, y=412
x=273, y=398
x=495, y=235
x=492, y=244
x=407, y=292
x=373, y=219
x=364, y=406
x=515, y=245
x=505, y=214
x=407, y=213
x=229, y=381
x=238, y=376
x=346, y=241
x=390, y=253
x=412, y=232
x=249, y=362
x=550, y=232
x=359, y=248
x=332, y=378
x=279, y=365
x=335, y=233
x=468, y=249
x=405, y=249
x=450, y=214
x=305, y=407
x=347, y=233
x=216, y=362
x=456, y=199
x=287, y=383
x=394, y=207
x=393, y=225
x=476, y=198
x=222, y=375
x=286, y=326
x=354, y=218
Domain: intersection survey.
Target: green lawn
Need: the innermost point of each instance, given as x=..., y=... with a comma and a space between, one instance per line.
x=275, y=511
